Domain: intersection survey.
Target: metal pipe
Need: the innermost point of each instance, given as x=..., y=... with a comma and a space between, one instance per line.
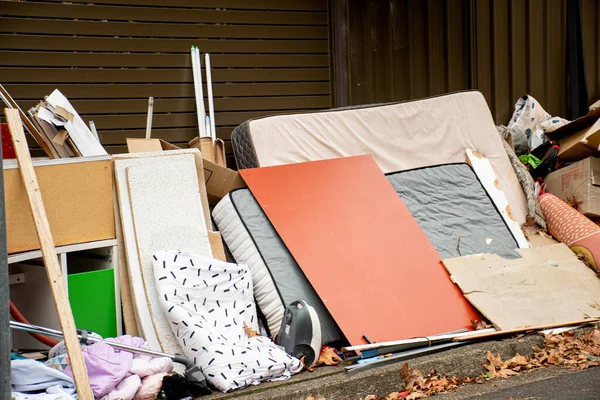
x=56, y=333
x=192, y=371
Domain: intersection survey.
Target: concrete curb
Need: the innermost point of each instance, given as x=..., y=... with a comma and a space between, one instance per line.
x=333, y=383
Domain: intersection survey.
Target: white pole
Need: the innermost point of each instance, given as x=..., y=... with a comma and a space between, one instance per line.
x=207, y=124
x=149, y=117
x=211, y=106
x=198, y=90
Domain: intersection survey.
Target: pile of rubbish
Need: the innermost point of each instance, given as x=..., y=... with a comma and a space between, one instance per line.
x=359, y=236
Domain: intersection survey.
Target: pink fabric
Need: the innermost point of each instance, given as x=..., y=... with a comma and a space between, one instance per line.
x=125, y=390
x=107, y=366
x=572, y=228
x=151, y=385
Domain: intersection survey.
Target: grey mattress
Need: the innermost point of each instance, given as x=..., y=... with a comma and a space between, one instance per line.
x=290, y=281
x=450, y=204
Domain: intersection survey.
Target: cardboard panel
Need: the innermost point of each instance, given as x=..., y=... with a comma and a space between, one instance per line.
x=78, y=198
x=548, y=286
x=361, y=249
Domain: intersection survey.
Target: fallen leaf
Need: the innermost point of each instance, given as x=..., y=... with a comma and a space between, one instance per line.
x=479, y=325
x=328, y=356
x=249, y=331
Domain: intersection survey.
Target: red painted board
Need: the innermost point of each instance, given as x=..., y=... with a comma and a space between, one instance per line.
x=360, y=248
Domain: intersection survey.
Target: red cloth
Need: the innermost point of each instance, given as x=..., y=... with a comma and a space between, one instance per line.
x=572, y=228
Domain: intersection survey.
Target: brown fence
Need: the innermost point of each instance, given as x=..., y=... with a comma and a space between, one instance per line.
x=109, y=56
x=406, y=49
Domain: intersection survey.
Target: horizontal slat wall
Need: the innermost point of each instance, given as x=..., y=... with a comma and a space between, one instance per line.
x=409, y=49
x=109, y=56
x=406, y=49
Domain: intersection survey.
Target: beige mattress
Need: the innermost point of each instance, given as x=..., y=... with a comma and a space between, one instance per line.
x=399, y=136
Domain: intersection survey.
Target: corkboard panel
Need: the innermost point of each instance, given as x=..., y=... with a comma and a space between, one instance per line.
x=79, y=202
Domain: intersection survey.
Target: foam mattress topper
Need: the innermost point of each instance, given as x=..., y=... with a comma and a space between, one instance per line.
x=399, y=136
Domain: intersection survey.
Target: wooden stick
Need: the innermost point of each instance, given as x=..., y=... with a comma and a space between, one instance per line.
x=53, y=270
x=149, y=117
x=522, y=330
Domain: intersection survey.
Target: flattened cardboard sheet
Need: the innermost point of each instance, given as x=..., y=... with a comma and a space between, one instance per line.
x=360, y=248
x=548, y=286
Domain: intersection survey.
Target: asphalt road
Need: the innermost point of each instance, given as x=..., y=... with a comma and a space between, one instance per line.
x=545, y=384
x=583, y=385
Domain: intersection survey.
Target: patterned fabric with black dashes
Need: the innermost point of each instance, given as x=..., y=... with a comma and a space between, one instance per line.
x=207, y=303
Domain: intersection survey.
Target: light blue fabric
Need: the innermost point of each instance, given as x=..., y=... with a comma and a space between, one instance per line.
x=30, y=376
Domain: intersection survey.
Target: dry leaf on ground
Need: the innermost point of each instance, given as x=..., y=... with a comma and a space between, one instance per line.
x=479, y=325
x=328, y=357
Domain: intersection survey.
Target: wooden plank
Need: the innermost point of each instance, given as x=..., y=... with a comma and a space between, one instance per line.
x=59, y=59
x=381, y=45
x=518, y=48
x=151, y=14
x=176, y=120
x=174, y=90
x=484, y=46
x=400, y=50
x=173, y=46
x=536, y=13
x=503, y=104
x=52, y=267
x=548, y=286
x=523, y=330
x=589, y=22
x=129, y=318
x=456, y=46
x=555, y=58
x=150, y=30
x=98, y=75
x=419, y=45
x=357, y=78
x=289, y=5
x=436, y=50
x=339, y=22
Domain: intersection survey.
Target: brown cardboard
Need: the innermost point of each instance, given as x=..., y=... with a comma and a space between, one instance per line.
x=579, y=138
x=78, y=197
x=219, y=180
x=214, y=152
x=216, y=245
x=579, y=181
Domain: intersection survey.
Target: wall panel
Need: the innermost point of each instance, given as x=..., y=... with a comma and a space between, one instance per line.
x=109, y=56
x=504, y=48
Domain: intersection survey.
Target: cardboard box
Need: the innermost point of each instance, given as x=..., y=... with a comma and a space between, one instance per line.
x=219, y=180
x=579, y=138
x=580, y=181
x=214, y=152
x=78, y=197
